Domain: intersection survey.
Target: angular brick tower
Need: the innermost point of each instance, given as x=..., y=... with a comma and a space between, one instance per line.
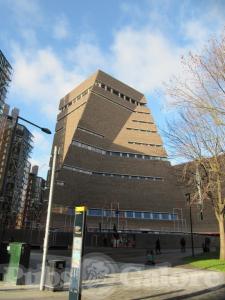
x=111, y=158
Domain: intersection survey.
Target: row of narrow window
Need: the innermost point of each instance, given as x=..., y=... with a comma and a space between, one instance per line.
x=115, y=175
x=142, y=112
x=117, y=93
x=116, y=153
x=130, y=214
x=144, y=122
x=98, y=212
x=143, y=130
x=77, y=98
x=91, y=132
x=144, y=144
x=107, y=88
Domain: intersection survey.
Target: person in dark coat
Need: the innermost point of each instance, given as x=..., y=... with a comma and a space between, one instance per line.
x=183, y=244
x=157, y=246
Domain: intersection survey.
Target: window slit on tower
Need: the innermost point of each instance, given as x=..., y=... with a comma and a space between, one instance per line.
x=117, y=153
x=117, y=93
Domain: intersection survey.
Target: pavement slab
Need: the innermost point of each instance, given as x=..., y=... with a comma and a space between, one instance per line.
x=122, y=278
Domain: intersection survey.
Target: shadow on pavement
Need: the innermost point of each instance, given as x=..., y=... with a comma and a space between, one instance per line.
x=158, y=295
x=200, y=293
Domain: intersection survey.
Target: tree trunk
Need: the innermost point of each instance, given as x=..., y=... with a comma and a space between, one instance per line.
x=222, y=237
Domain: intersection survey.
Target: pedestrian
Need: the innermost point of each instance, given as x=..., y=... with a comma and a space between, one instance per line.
x=157, y=247
x=105, y=241
x=207, y=244
x=183, y=244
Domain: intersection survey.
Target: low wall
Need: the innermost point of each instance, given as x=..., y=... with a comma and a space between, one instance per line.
x=148, y=240
x=36, y=237
x=100, y=239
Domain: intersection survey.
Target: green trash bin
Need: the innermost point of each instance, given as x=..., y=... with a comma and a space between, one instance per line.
x=18, y=263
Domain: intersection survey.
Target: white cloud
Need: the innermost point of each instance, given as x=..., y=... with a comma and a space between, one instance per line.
x=87, y=56
x=26, y=13
x=144, y=59
x=61, y=28
x=198, y=34
x=195, y=32
x=41, y=77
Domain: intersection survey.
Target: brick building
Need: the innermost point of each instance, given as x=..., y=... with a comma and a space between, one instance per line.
x=33, y=207
x=15, y=149
x=111, y=158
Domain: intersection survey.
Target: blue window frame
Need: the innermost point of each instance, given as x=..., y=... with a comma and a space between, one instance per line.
x=95, y=212
x=70, y=211
x=156, y=216
x=129, y=214
x=147, y=215
x=107, y=213
x=174, y=217
x=98, y=212
x=165, y=216
x=137, y=214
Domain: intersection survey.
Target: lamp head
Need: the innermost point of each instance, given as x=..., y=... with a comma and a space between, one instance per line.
x=46, y=130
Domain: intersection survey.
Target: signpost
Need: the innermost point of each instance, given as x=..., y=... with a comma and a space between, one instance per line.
x=77, y=253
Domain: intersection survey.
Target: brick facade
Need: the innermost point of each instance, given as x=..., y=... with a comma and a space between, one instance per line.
x=111, y=158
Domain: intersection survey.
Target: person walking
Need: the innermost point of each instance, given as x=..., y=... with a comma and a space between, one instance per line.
x=183, y=244
x=157, y=246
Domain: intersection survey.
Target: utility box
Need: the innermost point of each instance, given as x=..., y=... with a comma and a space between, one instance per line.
x=19, y=257
x=4, y=259
x=55, y=275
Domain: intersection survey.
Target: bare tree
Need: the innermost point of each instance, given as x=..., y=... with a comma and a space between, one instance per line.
x=202, y=82
x=198, y=132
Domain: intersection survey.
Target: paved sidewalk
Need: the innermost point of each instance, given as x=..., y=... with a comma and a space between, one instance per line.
x=160, y=283
x=111, y=280
x=136, y=282
x=33, y=295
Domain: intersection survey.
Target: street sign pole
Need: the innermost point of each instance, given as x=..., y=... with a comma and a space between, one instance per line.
x=77, y=253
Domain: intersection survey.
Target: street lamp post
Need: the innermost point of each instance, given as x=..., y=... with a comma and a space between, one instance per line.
x=188, y=195
x=46, y=238
x=46, y=130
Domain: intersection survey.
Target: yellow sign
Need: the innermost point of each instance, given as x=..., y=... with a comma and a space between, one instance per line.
x=80, y=208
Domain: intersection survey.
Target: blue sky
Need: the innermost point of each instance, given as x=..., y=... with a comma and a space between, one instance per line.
x=54, y=44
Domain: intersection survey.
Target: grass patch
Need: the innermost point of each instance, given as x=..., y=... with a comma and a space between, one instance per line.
x=206, y=261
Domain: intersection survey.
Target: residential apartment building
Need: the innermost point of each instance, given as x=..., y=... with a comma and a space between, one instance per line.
x=112, y=159
x=33, y=207
x=15, y=149
x=5, y=78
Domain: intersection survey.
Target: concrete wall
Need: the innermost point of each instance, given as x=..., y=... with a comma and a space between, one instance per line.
x=147, y=241
x=137, y=240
